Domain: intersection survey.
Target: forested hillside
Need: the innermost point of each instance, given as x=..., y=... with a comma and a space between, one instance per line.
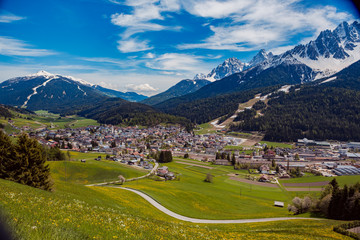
x=118, y=111
x=313, y=112
x=207, y=109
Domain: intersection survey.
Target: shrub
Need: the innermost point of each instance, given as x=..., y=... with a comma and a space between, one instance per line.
x=209, y=178
x=342, y=229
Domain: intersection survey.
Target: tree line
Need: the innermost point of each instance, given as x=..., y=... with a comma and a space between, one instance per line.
x=334, y=202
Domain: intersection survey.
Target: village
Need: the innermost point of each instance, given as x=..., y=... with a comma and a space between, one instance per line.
x=133, y=146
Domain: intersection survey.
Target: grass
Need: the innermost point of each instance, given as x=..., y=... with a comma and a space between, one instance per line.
x=276, y=144
x=92, y=171
x=342, y=180
x=77, y=212
x=193, y=197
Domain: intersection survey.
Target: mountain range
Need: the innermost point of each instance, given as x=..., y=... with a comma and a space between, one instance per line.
x=329, y=53
x=331, y=60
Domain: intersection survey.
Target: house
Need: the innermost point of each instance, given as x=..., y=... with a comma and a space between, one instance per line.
x=264, y=178
x=264, y=169
x=162, y=171
x=221, y=162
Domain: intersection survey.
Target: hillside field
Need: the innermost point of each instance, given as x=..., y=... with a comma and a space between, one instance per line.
x=75, y=211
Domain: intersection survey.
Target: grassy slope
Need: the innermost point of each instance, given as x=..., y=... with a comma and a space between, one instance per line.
x=92, y=171
x=77, y=212
x=193, y=197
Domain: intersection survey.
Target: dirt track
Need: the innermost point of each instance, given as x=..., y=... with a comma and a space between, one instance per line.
x=253, y=182
x=193, y=164
x=311, y=184
x=304, y=189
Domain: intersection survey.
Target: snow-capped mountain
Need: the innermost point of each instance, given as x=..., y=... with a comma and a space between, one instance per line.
x=47, y=91
x=260, y=57
x=227, y=68
x=331, y=52
x=181, y=88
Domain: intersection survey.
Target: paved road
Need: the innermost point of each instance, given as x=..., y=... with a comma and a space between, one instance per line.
x=195, y=220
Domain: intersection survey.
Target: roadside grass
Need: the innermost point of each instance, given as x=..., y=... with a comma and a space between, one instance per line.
x=342, y=180
x=92, y=171
x=192, y=197
x=77, y=212
x=276, y=144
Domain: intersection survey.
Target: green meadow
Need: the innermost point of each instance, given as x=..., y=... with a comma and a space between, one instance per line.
x=92, y=171
x=223, y=199
x=75, y=211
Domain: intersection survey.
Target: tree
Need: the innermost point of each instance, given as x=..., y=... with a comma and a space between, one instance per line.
x=165, y=156
x=233, y=159
x=300, y=205
x=31, y=159
x=186, y=155
x=8, y=156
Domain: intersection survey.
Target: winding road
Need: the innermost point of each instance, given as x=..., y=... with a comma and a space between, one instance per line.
x=196, y=220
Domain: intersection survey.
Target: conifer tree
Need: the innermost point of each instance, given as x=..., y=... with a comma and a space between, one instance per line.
x=7, y=157
x=233, y=159
x=31, y=160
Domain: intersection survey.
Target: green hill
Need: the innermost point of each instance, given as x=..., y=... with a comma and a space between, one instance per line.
x=77, y=212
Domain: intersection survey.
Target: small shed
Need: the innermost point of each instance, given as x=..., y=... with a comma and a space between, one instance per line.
x=278, y=204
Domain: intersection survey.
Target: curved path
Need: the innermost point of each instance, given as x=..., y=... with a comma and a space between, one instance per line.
x=195, y=220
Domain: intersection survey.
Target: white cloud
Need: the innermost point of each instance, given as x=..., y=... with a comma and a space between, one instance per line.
x=14, y=47
x=132, y=45
x=6, y=17
x=145, y=87
x=149, y=55
x=281, y=49
x=216, y=9
x=248, y=25
x=141, y=19
x=103, y=60
x=177, y=62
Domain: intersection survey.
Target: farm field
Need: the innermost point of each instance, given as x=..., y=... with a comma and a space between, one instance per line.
x=77, y=212
x=342, y=180
x=276, y=144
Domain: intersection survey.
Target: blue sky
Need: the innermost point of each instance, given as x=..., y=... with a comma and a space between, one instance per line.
x=148, y=45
